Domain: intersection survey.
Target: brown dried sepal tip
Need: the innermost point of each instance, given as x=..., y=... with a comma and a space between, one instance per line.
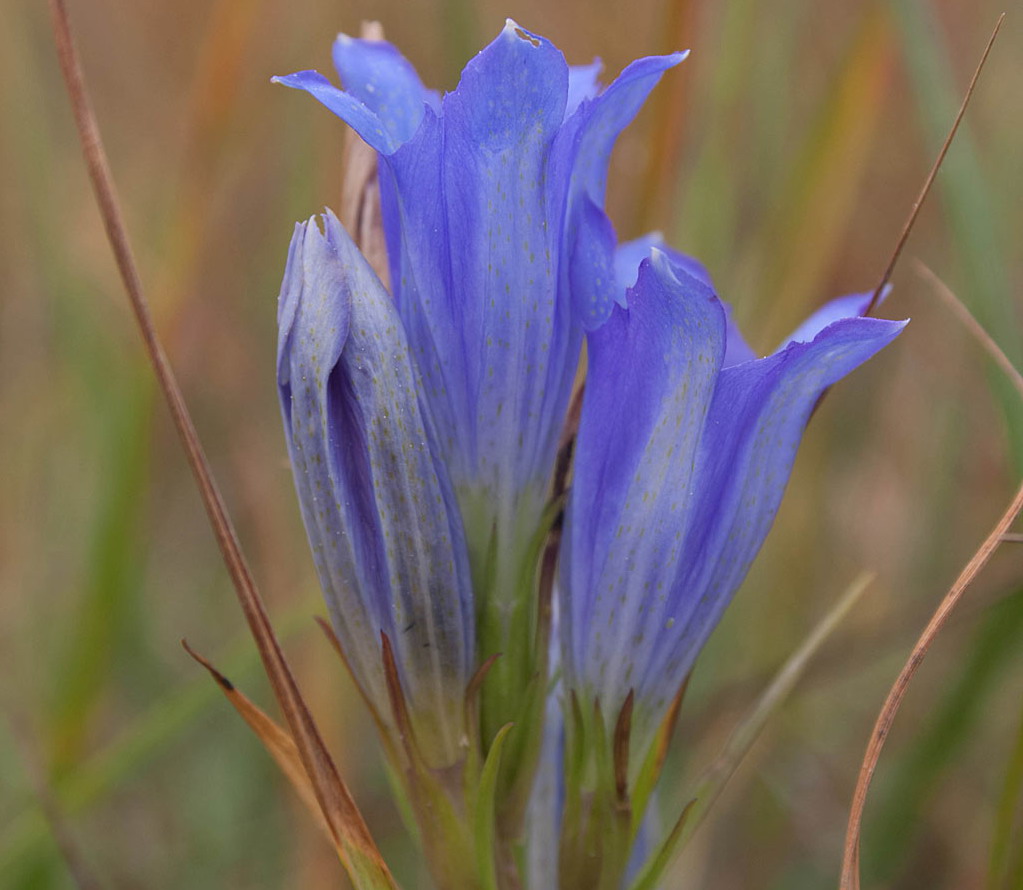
x=623, y=730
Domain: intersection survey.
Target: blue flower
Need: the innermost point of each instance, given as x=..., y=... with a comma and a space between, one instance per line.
x=423, y=427
x=376, y=499
x=685, y=446
x=489, y=203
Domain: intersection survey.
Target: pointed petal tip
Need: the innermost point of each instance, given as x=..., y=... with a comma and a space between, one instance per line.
x=302, y=80
x=515, y=30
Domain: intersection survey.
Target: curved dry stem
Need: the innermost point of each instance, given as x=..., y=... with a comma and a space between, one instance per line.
x=851, y=860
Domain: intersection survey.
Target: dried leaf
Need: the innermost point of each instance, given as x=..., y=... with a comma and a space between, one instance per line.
x=275, y=739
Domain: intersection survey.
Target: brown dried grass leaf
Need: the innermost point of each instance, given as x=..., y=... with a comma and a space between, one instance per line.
x=276, y=740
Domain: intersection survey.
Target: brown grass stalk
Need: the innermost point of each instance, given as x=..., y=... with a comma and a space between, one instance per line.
x=349, y=831
x=929, y=181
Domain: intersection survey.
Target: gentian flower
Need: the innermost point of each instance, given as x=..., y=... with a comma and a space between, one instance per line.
x=488, y=198
x=685, y=445
x=423, y=427
x=377, y=502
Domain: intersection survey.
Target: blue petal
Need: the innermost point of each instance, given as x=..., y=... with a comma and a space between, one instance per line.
x=680, y=466
x=745, y=458
x=383, y=80
x=475, y=279
x=631, y=253
x=650, y=381
x=602, y=119
x=353, y=112
x=377, y=504
x=593, y=276
x=627, y=261
x=583, y=84
x=511, y=92
x=842, y=307
x=581, y=159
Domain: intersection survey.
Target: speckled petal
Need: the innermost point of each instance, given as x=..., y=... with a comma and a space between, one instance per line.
x=756, y=420
x=681, y=462
x=379, y=511
x=650, y=382
x=382, y=79
x=627, y=260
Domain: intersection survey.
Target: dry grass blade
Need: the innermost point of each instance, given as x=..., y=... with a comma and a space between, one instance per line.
x=971, y=324
x=908, y=227
x=851, y=861
x=355, y=846
x=275, y=739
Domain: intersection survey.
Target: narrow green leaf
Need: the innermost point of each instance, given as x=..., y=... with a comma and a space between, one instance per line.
x=485, y=807
x=652, y=872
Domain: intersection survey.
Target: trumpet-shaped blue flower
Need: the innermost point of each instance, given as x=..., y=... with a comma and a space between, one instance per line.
x=377, y=502
x=423, y=425
x=685, y=446
x=498, y=254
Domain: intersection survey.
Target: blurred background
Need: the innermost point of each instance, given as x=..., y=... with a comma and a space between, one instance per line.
x=785, y=153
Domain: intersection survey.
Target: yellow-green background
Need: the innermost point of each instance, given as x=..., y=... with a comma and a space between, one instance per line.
x=785, y=153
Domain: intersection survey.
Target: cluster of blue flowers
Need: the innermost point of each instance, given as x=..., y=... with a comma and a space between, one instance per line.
x=423, y=423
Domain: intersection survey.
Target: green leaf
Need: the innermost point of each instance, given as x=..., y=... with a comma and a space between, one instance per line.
x=485, y=808
x=654, y=869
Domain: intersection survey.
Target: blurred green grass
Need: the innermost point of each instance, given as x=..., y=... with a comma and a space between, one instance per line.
x=785, y=153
